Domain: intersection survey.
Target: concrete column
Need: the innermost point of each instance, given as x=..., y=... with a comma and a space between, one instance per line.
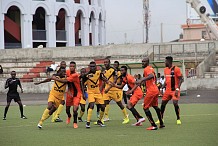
x=70, y=31
x=51, y=30
x=95, y=34
x=103, y=33
x=2, y=41
x=26, y=31
x=85, y=31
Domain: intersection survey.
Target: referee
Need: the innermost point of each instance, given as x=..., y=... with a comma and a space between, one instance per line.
x=12, y=84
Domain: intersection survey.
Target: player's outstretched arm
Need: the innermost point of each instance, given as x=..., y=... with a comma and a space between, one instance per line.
x=44, y=81
x=59, y=80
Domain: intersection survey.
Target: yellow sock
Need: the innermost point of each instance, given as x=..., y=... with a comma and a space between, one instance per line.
x=89, y=115
x=58, y=111
x=45, y=116
x=125, y=113
x=53, y=116
x=81, y=114
x=101, y=115
x=106, y=111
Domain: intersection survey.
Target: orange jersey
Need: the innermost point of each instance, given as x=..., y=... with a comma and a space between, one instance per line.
x=172, y=77
x=150, y=84
x=73, y=83
x=130, y=81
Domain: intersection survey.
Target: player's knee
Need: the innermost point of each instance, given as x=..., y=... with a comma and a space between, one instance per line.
x=63, y=102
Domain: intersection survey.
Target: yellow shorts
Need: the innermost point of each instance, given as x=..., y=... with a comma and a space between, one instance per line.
x=97, y=98
x=55, y=100
x=82, y=101
x=115, y=95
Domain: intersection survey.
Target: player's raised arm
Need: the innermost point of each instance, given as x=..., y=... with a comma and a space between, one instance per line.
x=44, y=81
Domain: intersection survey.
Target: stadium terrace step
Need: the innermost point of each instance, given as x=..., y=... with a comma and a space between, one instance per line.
x=213, y=68
x=211, y=75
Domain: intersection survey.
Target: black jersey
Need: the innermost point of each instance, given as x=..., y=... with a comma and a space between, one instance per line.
x=12, y=85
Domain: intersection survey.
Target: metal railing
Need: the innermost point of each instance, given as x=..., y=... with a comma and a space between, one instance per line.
x=61, y=35
x=39, y=34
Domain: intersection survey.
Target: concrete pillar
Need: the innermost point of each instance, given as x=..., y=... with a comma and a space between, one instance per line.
x=70, y=31
x=103, y=33
x=26, y=31
x=95, y=35
x=85, y=31
x=51, y=30
x=2, y=41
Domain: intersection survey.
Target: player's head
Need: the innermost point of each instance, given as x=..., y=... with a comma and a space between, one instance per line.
x=72, y=66
x=158, y=75
x=13, y=74
x=107, y=63
x=92, y=66
x=123, y=70
x=63, y=64
x=145, y=62
x=61, y=72
x=116, y=64
x=168, y=61
x=82, y=71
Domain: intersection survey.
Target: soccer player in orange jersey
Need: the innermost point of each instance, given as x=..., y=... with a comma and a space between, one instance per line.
x=74, y=92
x=151, y=98
x=173, y=83
x=136, y=92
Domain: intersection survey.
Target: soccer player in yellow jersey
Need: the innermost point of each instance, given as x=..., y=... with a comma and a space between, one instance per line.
x=113, y=93
x=94, y=94
x=56, y=95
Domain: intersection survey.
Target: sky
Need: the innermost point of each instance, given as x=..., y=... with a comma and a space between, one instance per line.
x=124, y=20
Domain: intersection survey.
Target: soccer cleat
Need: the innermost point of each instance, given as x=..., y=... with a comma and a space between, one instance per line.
x=126, y=120
x=68, y=120
x=137, y=124
x=178, y=122
x=58, y=120
x=162, y=126
x=39, y=126
x=80, y=119
x=152, y=128
x=158, y=122
x=100, y=123
x=75, y=125
x=106, y=119
x=88, y=125
x=23, y=117
x=4, y=118
x=140, y=121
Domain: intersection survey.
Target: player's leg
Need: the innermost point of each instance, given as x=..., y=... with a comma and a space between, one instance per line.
x=150, y=119
x=82, y=111
x=91, y=107
x=138, y=117
x=7, y=107
x=47, y=113
x=124, y=97
x=68, y=114
x=98, y=109
x=107, y=107
x=21, y=109
x=177, y=110
x=75, y=114
x=157, y=109
x=57, y=113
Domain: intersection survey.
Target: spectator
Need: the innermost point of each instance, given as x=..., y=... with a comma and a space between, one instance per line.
x=53, y=67
x=1, y=70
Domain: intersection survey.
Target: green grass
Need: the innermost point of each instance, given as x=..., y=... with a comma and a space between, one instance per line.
x=199, y=128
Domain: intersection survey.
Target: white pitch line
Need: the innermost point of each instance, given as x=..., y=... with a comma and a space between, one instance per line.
x=199, y=115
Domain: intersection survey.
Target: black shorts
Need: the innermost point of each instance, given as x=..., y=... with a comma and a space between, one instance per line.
x=16, y=98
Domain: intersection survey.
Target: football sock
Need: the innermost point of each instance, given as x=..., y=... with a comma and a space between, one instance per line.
x=135, y=113
x=45, y=116
x=21, y=109
x=6, y=110
x=149, y=116
x=53, y=115
x=81, y=113
x=106, y=111
x=177, y=110
x=125, y=113
x=162, y=108
x=101, y=115
x=58, y=111
x=75, y=114
x=157, y=109
x=89, y=115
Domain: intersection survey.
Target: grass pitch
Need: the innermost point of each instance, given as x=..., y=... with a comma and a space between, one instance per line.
x=199, y=128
